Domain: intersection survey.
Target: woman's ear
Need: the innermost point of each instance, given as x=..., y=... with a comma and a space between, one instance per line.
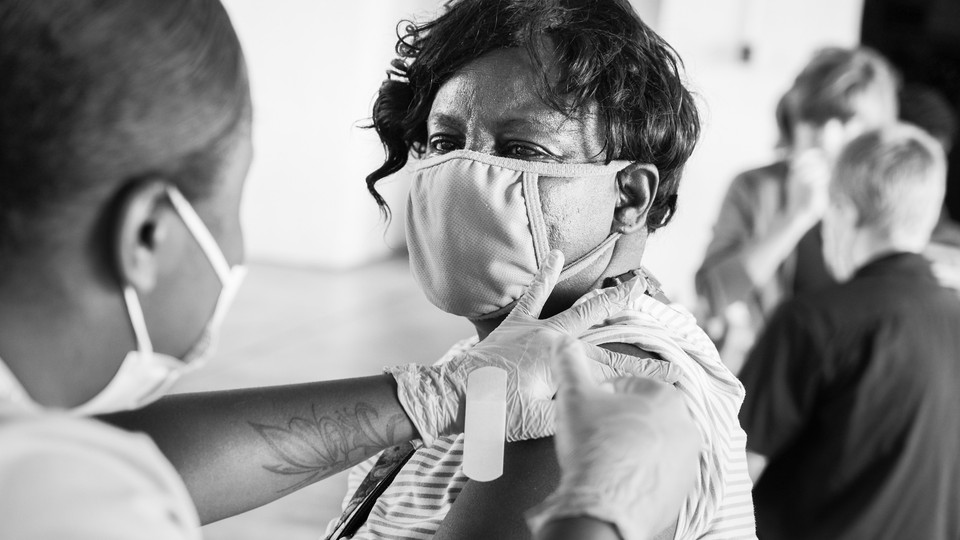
x=637, y=185
x=143, y=224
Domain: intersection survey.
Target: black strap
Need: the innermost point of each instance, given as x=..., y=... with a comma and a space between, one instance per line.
x=374, y=484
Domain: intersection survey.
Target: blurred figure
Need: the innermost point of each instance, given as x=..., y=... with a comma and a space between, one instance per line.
x=852, y=401
x=625, y=452
x=925, y=107
x=766, y=243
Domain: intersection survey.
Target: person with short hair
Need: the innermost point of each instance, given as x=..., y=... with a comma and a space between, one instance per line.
x=536, y=124
x=766, y=243
x=851, y=407
x=125, y=139
x=926, y=108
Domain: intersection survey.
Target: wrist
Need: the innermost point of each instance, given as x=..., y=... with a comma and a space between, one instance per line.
x=597, y=504
x=432, y=397
x=800, y=220
x=578, y=527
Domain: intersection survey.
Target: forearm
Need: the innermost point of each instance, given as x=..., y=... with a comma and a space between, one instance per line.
x=763, y=256
x=239, y=449
x=578, y=528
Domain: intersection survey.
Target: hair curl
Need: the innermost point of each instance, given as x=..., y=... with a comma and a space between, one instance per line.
x=604, y=53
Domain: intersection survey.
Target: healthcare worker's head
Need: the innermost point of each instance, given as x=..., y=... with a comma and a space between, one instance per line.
x=124, y=143
x=838, y=95
x=885, y=196
x=538, y=125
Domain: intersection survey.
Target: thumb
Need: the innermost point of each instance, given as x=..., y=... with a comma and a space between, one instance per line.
x=536, y=295
x=572, y=367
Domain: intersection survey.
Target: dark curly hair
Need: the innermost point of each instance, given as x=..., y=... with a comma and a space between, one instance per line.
x=604, y=53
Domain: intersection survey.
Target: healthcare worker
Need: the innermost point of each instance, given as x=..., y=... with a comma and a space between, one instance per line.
x=124, y=144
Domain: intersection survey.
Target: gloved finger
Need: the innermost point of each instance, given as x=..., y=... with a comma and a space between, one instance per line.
x=532, y=301
x=573, y=369
x=653, y=368
x=582, y=316
x=540, y=420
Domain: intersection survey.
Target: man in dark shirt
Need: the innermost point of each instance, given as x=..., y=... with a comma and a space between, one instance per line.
x=852, y=400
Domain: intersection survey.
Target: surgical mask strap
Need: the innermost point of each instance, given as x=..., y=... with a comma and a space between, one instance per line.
x=137, y=320
x=201, y=233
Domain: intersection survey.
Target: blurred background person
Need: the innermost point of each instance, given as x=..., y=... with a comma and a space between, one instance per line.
x=766, y=244
x=851, y=407
x=925, y=107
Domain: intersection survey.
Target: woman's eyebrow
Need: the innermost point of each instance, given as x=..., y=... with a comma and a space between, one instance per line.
x=445, y=121
x=527, y=122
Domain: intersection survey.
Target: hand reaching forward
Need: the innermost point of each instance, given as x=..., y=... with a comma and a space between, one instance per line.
x=628, y=457
x=523, y=346
x=808, y=185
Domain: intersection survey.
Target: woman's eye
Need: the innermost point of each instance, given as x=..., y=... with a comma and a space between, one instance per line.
x=441, y=145
x=525, y=151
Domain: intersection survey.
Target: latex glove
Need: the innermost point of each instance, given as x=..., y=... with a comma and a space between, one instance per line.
x=628, y=458
x=523, y=345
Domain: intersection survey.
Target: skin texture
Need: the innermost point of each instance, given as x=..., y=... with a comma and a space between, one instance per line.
x=490, y=106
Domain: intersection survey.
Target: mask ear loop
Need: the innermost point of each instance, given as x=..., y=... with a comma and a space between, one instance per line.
x=137, y=320
x=201, y=233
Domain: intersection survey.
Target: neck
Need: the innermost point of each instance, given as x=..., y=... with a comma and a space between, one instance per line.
x=554, y=305
x=873, y=247
x=62, y=337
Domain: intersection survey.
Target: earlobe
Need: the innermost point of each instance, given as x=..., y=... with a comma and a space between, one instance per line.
x=637, y=185
x=141, y=228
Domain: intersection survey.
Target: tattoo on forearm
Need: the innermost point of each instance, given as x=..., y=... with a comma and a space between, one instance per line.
x=311, y=448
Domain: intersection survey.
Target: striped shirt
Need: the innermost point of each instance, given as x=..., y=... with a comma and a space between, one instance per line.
x=720, y=506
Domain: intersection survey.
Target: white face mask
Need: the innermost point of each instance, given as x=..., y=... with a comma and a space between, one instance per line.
x=146, y=375
x=476, y=233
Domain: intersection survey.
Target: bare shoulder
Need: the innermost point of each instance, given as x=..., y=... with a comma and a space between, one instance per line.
x=495, y=509
x=485, y=510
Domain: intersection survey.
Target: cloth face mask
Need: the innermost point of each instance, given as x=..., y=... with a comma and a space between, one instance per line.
x=476, y=232
x=146, y=375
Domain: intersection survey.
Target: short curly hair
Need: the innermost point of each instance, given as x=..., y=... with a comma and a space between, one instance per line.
x=606, y=56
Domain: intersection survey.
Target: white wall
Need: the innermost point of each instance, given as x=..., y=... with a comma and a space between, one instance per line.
x=315, y=66
x=737, y=103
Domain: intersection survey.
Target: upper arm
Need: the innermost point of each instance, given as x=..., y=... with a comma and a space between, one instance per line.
x=734, y=223
x=495, y=509
x=531, y=472
x=780, y=378
x=722, y=277
x=485, y=510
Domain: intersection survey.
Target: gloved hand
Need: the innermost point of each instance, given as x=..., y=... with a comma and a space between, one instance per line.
x=628, y=458
x=434, y=396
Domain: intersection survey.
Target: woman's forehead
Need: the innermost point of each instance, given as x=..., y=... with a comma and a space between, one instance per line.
x=501, y=90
